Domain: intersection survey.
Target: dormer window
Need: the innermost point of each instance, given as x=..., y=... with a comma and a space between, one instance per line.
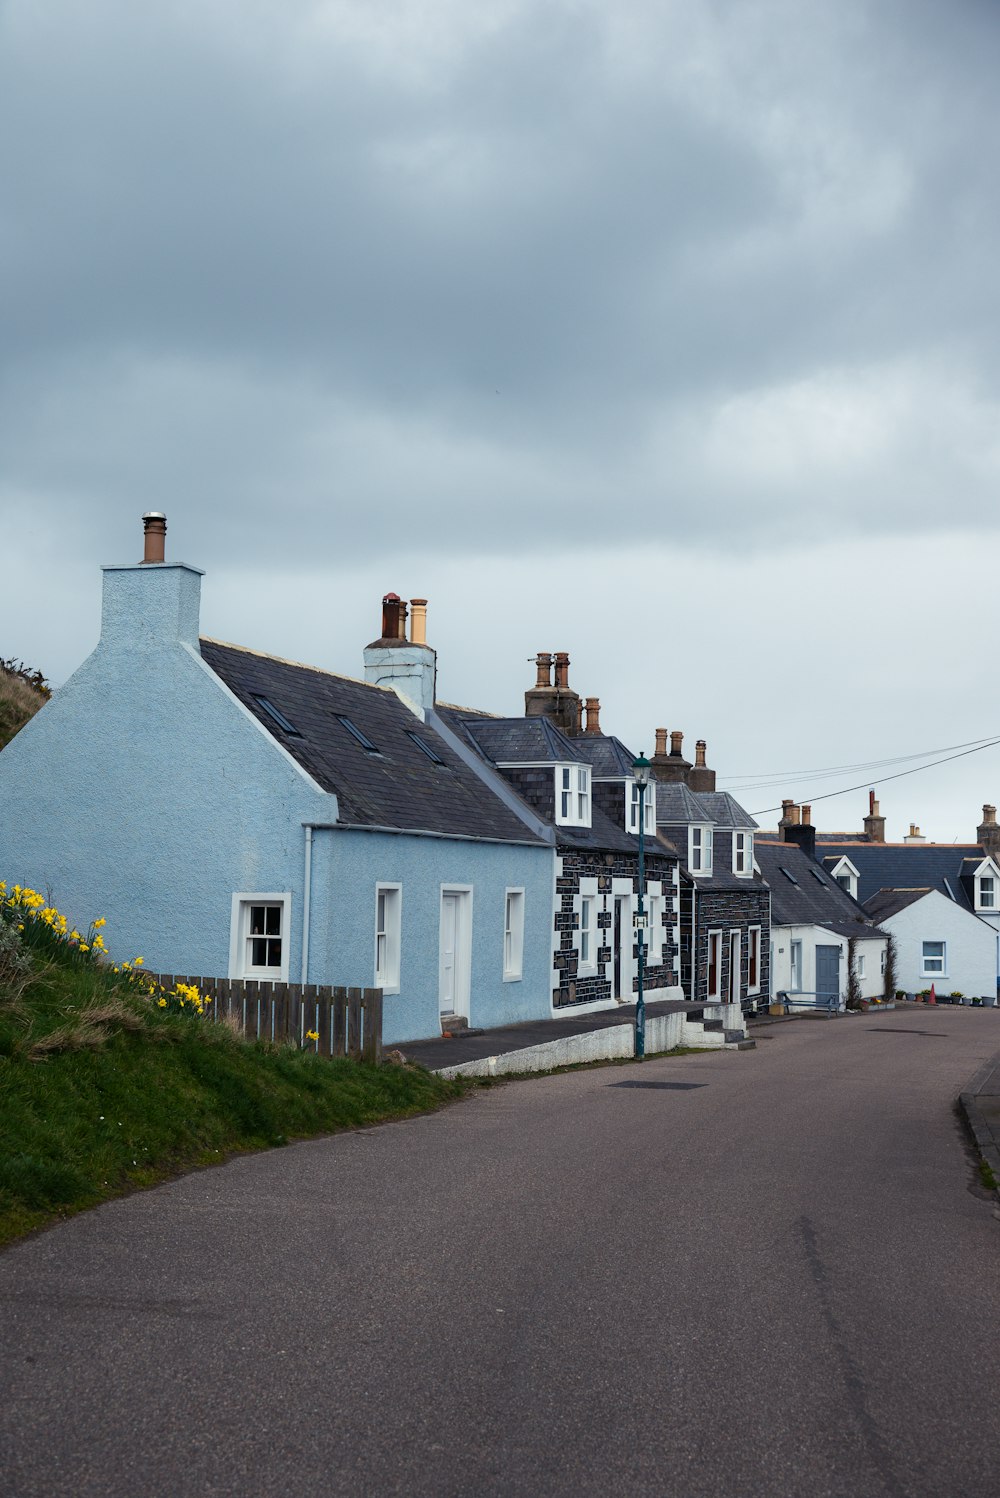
x=743, y=854
x=573, y=795
x=986, y=892
x=699, y=850
x=846, y=875
x=632, y=809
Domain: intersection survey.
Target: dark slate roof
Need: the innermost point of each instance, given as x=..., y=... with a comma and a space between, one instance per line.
x=725, y=810
x=890, y=901
x=607, y=755
x=676, y=806
x=514, y=740
x=814, y=899
x=906, y=866
x=534, y=740
x=397, y=787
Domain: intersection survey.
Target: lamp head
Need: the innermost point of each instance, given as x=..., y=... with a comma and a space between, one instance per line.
x=640, y=771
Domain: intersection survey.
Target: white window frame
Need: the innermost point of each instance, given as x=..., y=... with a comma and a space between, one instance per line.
x=795, y=966
x=859, y=964
x=753, y=951
x=656, y=906
x=934, y=972
x=387, y=972
x=587, y=931
x=700, y=849
x=881, y=963
x=572, y=795
x=714, y=938
x=513, y=934
x=743, y=853
x=844, y=869
x=239, y=935
x=987, y=874
x=648, y=809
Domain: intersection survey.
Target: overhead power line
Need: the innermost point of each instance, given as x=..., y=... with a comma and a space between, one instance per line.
x=765, y=779
x=978, y=747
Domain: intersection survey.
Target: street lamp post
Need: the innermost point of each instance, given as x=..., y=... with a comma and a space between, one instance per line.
x=640, y=773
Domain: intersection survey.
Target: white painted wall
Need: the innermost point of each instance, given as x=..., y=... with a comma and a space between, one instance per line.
x=811, y=937
x=971, y=947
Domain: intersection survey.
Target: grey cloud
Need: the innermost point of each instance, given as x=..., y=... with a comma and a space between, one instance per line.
x=536, y=272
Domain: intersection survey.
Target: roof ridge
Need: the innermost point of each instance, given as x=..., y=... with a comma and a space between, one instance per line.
x=457, y=707
x=285, y=660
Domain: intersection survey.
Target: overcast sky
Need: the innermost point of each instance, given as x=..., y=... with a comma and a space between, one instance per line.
x=662, y=333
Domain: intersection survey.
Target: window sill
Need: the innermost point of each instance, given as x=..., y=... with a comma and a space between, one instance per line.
x=513, y=977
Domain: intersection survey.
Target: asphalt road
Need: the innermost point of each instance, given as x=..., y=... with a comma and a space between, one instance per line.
x=748, y=1273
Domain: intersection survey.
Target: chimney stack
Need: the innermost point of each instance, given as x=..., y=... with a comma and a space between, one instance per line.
x=700, y=778
x=408, y=666
x=988, y=832
x=154, y=534
x=796, y=827
x=593, y=715
x=874, y=824
x=914, y=835
x=670, y=768
x=790, y=816
x=557, y=701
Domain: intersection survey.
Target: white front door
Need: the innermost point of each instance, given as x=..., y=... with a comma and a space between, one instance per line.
x=456, y=951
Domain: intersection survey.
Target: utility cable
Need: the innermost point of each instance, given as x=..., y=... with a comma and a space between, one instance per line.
x=900, y=774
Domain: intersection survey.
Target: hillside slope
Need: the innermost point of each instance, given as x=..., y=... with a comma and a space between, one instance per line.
x=22, y=693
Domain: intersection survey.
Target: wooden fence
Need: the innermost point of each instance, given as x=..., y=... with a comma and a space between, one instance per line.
x=345, y=1021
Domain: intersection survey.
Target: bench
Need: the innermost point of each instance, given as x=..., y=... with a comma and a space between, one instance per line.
x=809, y=1000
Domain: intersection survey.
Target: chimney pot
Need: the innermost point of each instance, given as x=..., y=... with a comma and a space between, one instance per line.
x=661, y=742
x=562, y=671
x=807, y=813
x=593, y=715
x=390, y=616
x=543, y=664
x=989, y=815
x=401, y=635
x=699, y=754
x=154, y=533
x=676, y=741
x=418, y=621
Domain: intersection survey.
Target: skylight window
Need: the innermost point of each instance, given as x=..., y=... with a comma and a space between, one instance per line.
x=432, y=754
x=818, y=877
x=790, y=877
x=276, y=715
x=357, y=735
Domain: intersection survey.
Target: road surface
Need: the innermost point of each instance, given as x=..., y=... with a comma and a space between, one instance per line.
x=765, y=1273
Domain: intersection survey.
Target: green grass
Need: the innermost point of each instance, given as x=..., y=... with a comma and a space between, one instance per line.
x=102, y=1093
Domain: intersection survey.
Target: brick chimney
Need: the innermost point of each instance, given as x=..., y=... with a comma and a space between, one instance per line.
x=874, y=824
x=796, y=827
x=408, y=666
x=554, y=700
x=988, y=833
x=594, y=716
x=700, y=778
x=670, y=768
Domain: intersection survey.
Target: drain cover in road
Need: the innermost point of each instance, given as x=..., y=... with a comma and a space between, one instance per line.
x=662, y=1086
x=898, y=1030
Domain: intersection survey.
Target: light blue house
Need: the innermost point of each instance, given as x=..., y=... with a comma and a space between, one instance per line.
x=233, y=814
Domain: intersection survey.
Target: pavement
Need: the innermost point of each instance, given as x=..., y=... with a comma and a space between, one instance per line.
x=477, y=1044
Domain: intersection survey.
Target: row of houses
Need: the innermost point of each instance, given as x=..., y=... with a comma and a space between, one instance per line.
x=237, y=814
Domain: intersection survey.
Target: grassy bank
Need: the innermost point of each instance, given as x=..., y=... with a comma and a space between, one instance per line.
x=105, y=1087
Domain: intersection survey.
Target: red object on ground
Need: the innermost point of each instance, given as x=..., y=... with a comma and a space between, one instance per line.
x=933, y=997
